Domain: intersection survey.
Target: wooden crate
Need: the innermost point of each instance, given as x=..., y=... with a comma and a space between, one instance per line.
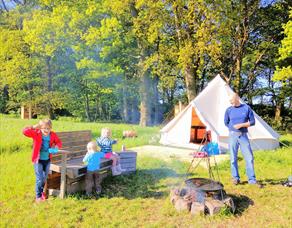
x=26, y=112
x=128, y=161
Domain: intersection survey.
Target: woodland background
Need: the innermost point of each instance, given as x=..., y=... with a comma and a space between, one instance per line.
x=131, y=61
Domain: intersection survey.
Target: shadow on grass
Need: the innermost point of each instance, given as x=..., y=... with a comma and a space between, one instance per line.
x=141, y=184
x=285, y=143
x=273, y=181
x=264, y=182
x=241, y=202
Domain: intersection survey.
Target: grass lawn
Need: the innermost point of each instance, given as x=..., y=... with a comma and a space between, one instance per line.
x=140, y=199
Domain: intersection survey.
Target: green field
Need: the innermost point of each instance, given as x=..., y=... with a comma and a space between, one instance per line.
x=141, y=199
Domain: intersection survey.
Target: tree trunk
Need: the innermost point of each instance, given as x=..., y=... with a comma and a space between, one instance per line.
x=157, y=112
x=144, y=104
x=191, y=83
x=96, y=109
x=189, y=71
x=278, y=113
x=242, y=36
x=237, y=74
x=4, y=5
x=4, y=99
x=126, y=118
x=109, y=111
x=249, y=95
x=134, y=112
x=87, y=112
x=48, y=75
x=279, y=106
x=87, y=109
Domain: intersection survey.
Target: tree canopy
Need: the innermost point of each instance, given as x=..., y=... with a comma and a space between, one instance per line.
x=133, y=60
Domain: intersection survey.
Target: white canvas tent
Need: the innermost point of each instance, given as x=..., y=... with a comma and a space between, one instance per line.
x=209, y=108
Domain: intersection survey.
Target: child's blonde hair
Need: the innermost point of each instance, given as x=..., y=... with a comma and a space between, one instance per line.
x=92, y=146
x=106, y=132
x=46, y=122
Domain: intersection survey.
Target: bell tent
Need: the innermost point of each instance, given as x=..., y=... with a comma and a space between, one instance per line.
x=206, y=113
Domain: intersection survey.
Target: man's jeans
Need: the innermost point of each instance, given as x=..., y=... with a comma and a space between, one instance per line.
x=41, y=170
x=237, y=139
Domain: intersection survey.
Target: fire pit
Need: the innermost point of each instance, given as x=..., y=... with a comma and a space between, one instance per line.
x=204, y=184
x=201, y=196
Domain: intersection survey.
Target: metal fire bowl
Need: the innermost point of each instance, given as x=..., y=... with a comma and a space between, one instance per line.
x=204, y=184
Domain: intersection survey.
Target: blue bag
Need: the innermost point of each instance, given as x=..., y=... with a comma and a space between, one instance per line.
x=211, y=148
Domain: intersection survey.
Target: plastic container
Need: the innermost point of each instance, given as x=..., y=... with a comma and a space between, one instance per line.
x=53, y=150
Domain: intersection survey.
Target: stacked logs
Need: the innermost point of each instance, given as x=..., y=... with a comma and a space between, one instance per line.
x=200, y=202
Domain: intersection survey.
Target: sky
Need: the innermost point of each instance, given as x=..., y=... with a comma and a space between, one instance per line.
x=10, y=4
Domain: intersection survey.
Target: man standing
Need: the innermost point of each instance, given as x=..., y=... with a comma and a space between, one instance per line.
x=238, y=117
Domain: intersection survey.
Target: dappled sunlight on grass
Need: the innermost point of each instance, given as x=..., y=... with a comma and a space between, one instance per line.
x=141, y=198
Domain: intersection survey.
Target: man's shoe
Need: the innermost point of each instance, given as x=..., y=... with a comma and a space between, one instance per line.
x=255, y=183
x=235, y=181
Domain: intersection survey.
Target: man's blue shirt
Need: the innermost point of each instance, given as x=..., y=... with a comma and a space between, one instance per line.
x=240, y=114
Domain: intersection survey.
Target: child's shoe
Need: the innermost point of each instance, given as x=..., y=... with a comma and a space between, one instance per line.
x=115, y=171
x=38, y=200
x=44, y=196
x=119, y=168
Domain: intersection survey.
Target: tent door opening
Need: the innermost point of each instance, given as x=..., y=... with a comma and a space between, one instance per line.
x=198, y=129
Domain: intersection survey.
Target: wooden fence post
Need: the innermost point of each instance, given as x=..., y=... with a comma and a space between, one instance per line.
x=63, y=175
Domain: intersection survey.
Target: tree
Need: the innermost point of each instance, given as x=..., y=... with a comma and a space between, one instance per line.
x=46, y=32
x=195, y=23
x=283, y=72
x=236, y=17
x=19, y=69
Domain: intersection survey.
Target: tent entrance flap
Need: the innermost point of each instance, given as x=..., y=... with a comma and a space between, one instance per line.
x=198, y=129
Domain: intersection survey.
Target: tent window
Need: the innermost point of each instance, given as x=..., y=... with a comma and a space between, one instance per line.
x=198, y=129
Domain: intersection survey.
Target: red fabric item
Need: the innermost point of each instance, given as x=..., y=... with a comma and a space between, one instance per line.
x=108, y=155
x=200, y=154
x=36, y=136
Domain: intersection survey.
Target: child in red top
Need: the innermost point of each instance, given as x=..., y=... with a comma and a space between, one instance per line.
x=43, y=139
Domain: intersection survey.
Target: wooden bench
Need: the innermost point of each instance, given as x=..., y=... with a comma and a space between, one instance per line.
x=67, y=169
